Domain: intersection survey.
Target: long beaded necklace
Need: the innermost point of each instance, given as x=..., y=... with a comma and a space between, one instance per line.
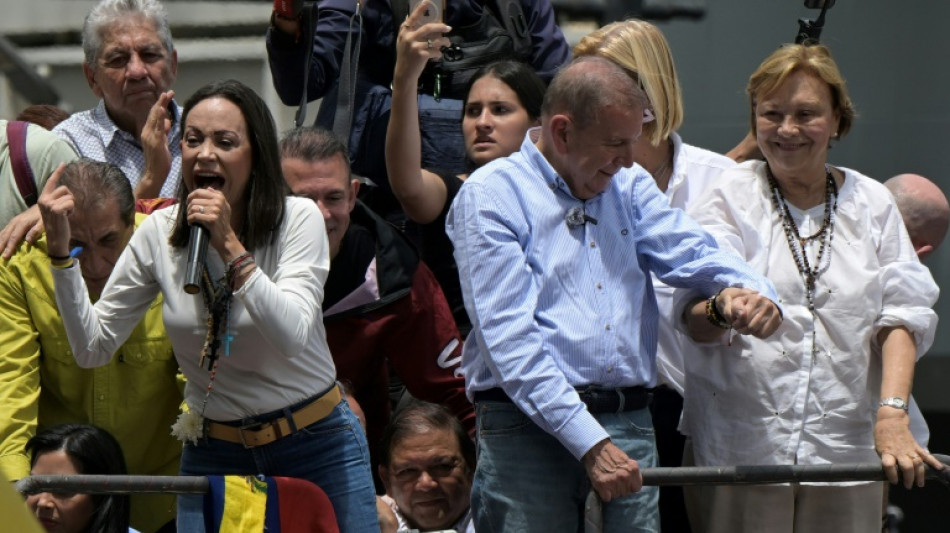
x=797, y=243
x=217, y=297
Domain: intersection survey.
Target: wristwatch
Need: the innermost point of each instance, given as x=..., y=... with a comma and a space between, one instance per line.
x=895, y=402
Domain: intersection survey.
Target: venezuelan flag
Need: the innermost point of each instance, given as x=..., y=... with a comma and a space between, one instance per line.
x=245, y=504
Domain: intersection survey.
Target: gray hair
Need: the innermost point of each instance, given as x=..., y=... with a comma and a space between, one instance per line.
x=93, y=183
x=587, y=85
x=312, y=144
x=107, y=12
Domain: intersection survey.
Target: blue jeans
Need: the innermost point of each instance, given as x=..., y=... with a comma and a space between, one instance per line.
x=526, y=481
x=331, y=453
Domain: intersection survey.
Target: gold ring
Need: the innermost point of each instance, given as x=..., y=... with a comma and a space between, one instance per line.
x=429, y=44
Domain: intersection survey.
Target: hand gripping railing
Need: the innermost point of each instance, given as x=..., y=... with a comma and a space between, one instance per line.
x=758, y=474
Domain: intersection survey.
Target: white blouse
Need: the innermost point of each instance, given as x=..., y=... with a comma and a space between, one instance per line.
x=278, y=355
x=755, y=401
x=693, y=170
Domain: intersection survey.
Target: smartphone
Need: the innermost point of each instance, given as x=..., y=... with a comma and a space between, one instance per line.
x=433, y=13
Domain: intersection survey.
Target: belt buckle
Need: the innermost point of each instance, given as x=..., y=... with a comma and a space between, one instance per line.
x=248, y=427
x=620, y=399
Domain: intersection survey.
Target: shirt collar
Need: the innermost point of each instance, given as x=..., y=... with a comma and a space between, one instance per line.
x=537, y=159
x=678, y=175
x=106, y=126
x=109, y=129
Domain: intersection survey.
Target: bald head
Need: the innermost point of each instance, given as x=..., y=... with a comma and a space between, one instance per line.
x=589, y=85
x=924, y=208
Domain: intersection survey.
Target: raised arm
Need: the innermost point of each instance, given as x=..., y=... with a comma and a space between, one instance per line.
x=94, y=335
x=286, y=51
x=421, y=193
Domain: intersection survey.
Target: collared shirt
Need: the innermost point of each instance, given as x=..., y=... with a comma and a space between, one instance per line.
x=693, y=170
x=94, y=135
x=771, y=401
x=135, y=396
x=555, y=307
x=44, y=152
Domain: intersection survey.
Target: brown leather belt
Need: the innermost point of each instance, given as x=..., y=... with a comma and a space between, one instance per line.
x=259, y=434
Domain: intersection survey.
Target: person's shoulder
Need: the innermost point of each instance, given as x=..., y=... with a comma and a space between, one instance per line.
x=157, y=225
x=298, y=206
x=78, y=122
x=46, y=149
x=29, y=260
x=514, y=173
x=701, y=156
x=862, y=180
x=300, y=215
x=861, y=190
x=747, y=171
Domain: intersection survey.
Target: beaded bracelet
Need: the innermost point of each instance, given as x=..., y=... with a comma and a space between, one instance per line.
x=234, y=262
x=713, y=314
x=234, y=272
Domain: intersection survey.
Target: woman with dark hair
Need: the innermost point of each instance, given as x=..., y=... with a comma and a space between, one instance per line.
x=502, y=102
x=77, y=449
x=261, y=394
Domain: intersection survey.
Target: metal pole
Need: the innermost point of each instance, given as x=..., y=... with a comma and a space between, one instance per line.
x=691, y=475
x=97, y=484
x=763, y=474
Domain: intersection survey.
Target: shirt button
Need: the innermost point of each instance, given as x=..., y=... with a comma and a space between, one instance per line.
x=608, y=327
x=610, y=369
x=592, y=245
x=599, y=286
x=623, y=232
x=102, y=397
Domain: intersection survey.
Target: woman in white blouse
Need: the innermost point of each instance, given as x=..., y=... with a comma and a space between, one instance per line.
x=848, y=279
x=261, y=386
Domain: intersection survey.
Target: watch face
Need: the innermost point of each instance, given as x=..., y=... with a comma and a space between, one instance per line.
x=897, y=403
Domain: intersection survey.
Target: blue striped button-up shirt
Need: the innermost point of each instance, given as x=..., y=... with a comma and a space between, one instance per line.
x=93, y=134
x=555, y=307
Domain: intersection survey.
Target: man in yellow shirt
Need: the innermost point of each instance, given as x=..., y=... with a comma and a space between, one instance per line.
x=135, y=397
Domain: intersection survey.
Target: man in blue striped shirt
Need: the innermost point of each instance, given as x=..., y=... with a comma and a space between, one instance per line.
x=555, y=246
